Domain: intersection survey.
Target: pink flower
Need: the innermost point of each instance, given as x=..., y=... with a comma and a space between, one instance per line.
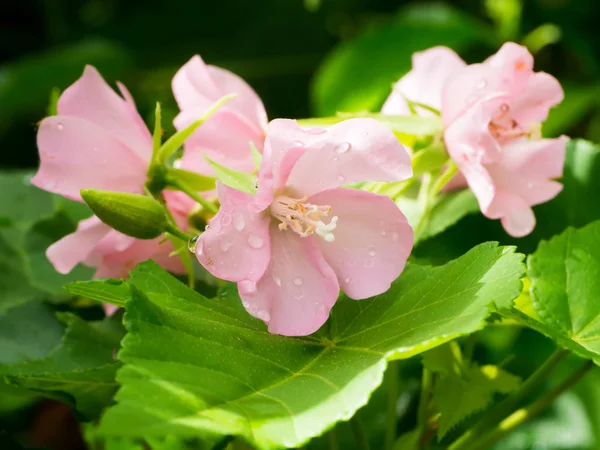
x=226, y=136
x=301, y=238
x=493, y=112
x=98, y=140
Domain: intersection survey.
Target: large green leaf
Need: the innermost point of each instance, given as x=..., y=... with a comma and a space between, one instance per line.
x=565, y=287
x=359, y=74
x=81, y=370
x=196, y=366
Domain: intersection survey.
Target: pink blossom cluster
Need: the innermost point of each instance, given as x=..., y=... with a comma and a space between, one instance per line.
x=492, y=114
x=305, y=234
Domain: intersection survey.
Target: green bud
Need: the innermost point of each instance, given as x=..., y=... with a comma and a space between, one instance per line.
x=138, y=216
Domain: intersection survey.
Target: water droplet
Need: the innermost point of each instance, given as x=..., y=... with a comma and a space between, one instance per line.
x=481, y=84
x=192, y=244
x=343, y=147
x=341, y=178
x=224, y=245
x=246, y=287
x=60, y=126
x=245, y=304
x=263, y=315
x=298, y=281
x=395, y=236
x=321, y=306
x=316, y=131
x=369, y=263
x=207, y=227
x=372, y=251
x=238, y=221
x=347, y=280
x=504, y=107
x=383, y=233
x=529, y=185
x=255, y=241
x=225, y=219
x=277, y=280
x=297, y=144
x=256, y=184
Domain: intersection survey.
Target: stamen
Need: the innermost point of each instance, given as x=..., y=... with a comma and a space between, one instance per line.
x=303, y=218
x=504, y=128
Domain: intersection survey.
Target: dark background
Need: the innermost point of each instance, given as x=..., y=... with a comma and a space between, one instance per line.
x=276, y=45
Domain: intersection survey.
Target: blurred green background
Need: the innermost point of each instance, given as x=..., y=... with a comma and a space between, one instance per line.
x=304, y=57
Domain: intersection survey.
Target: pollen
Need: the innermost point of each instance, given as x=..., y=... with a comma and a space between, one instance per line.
x=304, y=219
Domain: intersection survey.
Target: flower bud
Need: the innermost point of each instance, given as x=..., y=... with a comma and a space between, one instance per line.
x=138, y=216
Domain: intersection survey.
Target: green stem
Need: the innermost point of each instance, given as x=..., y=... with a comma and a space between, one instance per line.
x=192, y=194
x=359, y=433
x=172, y=229
x=424, y=200
x=522, y=415
x=502, y=409
x=392, y=392
x=426, y=386
x=333, y=442
x=444, y=178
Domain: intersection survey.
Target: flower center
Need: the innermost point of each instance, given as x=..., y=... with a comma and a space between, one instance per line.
x=303, y=218
x=504, y=128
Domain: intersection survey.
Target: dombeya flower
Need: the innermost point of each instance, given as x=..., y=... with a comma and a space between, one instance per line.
x=225, y=137
x=301, y=238
x=98, y=140
x=493, y=113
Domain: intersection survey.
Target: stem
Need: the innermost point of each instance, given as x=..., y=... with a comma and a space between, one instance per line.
x=192, y=194
x=502, y=409
x=333, y=442
x=392, y=388
x=425, y=202
x=423, y=411
x=522, y=415
x=359, y=433
x=172, y=229
x=444, y=178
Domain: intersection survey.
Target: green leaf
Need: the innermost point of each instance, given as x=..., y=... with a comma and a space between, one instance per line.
x=446, y=359
x=196, y=181
x=115, y=292
x=579, y=101
x=429, y=159
x=28, y=332
x=458, y=397
x=241, y=181
x=565, y=286
x=448, y=209
x=358, y=75
x=80, y=371
x=195, y=365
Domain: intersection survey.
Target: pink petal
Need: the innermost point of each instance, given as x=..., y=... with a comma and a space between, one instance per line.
x=117, y=264
x=236, y=246
x=224, y=138
x=515, y=214
x=540, y=158
x=109, y=309
x=527, y=168
x=76, y=154
x=543, y=92
x=350, y=151
x=424, y=83
x=298, y=289
x=193, y=85
x=247, y=102
x=506, y=73
x=74, y=248
x=91, y=99
x=372, y=240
